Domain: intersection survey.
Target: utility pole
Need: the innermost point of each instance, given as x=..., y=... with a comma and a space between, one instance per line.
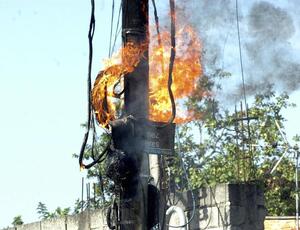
x=133, y=199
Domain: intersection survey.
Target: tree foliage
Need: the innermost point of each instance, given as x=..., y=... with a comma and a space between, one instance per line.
x=44, y=214
x=233, y=145
x=17, y=221
x=233, y=149
x=103, y=187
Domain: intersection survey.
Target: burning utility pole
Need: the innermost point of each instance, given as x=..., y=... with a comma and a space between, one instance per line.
x=142, y=128
x=133, y=200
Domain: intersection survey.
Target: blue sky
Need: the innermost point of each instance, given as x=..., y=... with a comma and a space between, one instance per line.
x=43, y=71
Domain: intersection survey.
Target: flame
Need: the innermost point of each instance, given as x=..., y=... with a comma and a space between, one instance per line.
x=186, y=71
x=103, y=92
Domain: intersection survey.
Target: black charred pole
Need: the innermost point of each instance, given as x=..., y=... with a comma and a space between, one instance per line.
x=133, y=199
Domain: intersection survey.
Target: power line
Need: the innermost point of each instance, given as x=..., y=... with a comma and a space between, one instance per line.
x=240, y=51
x=172, y=59
x=118, y=28
x=90, y=118
x=243, y=78
x=188, y=184
x=111, y=27
x=89, y=81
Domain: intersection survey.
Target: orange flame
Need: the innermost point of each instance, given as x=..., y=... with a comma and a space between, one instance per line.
x=187, y=70
x=103, y=91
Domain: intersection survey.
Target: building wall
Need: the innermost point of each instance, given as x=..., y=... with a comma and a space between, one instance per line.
x=226, y=206
x=88, y=220
x=280, y=223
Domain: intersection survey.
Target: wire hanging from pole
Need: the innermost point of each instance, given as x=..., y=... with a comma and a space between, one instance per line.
x=158, y=35
x=118, y=29
x=172, y=56
x=89, y=88
x=90, y=118
x=188, y=184
x=172, y=59
x=111, y=27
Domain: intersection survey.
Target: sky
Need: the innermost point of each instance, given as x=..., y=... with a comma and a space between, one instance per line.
x=43, y=98
x=43, y=72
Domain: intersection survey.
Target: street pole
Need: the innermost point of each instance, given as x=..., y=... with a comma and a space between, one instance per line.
x=133, y=200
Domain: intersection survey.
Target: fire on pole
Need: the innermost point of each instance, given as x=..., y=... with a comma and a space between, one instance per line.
x=139, y=204
x=134, y=136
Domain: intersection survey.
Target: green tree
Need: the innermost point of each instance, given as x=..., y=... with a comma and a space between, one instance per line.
x=17, y=221
x=42, y=210
x=233, y=149
x=230, y=148
x=103, y=187
x=77, y=206
x=59, y=212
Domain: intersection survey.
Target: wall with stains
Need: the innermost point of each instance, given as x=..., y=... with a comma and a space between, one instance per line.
x=225, y=206
x=280, y=223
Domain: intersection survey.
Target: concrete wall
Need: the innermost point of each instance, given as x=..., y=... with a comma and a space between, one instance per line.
x=230, y=207
x=280, y=223
x=226, y=206
x=88, y=220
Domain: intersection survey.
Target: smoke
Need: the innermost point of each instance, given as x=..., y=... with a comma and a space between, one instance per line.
x=267, y=31
x=270, y=23
x=273, y=59
x=210, y=19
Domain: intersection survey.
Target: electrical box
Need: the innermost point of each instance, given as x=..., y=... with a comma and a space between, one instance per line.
x=133, y=135
x=160, y=138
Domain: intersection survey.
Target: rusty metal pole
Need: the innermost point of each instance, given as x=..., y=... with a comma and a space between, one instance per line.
x=133, y=201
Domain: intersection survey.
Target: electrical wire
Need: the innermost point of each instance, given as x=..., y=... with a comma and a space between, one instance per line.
x=90, y=37
x=188, y=184
x=111, y=27
x=94, y=137
x=240, y=50
x=172, y=59
x=158, y=35
x=99, y=159
x=243, y=77
x=90, y=118
x=118, y=28
x=180, y=214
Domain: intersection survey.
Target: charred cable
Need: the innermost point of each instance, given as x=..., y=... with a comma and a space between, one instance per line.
x=172, y=56
x=188, y=184
x=90, y=119
x=90, y=37
x=94, y=138
x=99, y=159
x=172, y=59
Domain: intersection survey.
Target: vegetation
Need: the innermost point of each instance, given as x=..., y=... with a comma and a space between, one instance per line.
x=233, y=149
x=17, y=221
x=45, y=214
x=229, y=148
x=103, y=189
